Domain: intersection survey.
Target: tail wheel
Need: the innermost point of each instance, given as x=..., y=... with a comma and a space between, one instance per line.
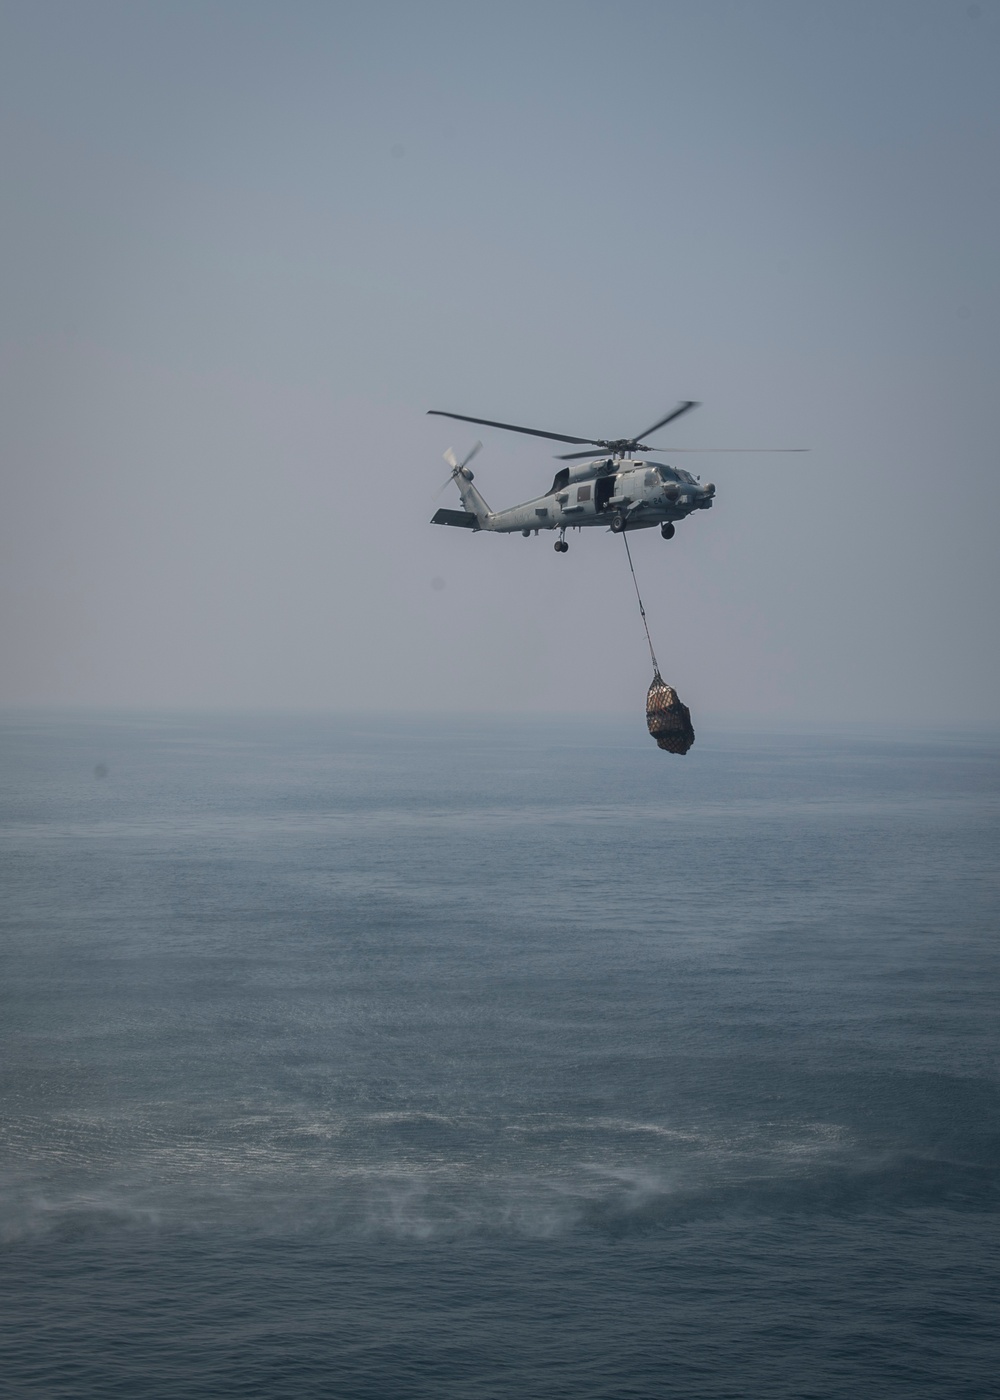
x=667, y=530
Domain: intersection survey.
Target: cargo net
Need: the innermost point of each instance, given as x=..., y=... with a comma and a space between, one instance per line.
x=667, y=718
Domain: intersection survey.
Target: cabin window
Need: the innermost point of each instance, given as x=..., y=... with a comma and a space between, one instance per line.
x=583, y=492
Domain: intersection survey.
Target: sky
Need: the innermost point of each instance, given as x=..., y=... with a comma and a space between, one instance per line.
x=246, y=246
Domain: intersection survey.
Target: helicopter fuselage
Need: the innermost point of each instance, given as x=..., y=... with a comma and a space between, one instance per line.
x=623, y=494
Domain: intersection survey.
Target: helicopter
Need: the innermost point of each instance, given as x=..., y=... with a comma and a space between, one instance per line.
x=613, y=488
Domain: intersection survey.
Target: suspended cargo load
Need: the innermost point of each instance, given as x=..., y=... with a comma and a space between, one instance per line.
x=668, y=720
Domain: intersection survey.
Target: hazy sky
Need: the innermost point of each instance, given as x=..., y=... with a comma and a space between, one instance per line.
x=247, y=245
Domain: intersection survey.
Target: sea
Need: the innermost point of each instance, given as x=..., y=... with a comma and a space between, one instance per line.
x=378, y=1057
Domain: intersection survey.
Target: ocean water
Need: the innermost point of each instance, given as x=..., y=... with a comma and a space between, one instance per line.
x=384, y=1058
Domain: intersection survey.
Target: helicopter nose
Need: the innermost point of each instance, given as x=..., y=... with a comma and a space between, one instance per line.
x=709, y=488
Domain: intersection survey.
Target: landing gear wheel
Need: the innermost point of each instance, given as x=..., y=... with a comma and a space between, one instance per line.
x=560, y=546
x=667, y=530
x=617, y=524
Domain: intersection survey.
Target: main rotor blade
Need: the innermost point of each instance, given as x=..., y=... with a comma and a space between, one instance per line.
x=578, y=456
x=728, y=449
x=675, y=413
x=511, y=427
x=574, y=456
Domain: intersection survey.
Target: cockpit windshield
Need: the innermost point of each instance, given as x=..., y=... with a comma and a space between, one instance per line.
x=675, y=474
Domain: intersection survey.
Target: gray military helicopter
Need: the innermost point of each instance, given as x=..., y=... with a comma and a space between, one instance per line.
x=615, y=489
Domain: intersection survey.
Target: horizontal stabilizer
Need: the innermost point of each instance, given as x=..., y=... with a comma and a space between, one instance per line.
x=456, y=517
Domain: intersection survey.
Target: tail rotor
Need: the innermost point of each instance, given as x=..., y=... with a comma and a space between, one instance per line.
x=458, y=468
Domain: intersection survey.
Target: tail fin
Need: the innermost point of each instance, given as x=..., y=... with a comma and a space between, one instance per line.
x=472, y=501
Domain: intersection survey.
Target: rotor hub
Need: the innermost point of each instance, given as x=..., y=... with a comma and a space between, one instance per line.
x=624, y=447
